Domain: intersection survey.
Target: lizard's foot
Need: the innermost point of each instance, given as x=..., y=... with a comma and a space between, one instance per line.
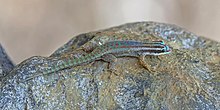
x=112, y=72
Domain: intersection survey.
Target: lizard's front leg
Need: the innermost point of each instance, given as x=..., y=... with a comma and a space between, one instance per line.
x=143, y=63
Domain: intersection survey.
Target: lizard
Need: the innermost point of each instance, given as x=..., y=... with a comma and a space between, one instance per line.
x=111, y=50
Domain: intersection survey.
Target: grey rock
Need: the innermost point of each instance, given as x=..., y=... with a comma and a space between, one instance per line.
x=6, y=65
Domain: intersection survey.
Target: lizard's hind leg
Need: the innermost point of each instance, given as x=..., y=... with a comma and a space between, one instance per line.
x=89, y=47
x=111, y=59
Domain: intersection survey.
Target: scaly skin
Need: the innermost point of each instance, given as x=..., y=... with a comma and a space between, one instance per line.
x=111, y=50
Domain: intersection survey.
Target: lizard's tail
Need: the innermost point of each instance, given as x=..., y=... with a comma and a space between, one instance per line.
x=58, y=67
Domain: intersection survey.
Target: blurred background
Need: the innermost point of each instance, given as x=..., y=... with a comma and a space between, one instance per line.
x=38, y=27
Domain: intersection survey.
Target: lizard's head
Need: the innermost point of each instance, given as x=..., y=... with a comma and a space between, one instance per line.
x=156, y=48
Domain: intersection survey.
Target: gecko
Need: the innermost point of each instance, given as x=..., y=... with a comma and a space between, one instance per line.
x=110, y=51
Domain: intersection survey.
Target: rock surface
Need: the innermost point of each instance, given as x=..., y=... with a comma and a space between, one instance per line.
x=188, y=78
x=6, y=64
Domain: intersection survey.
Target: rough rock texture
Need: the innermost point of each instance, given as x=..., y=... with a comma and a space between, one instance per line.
x=188, y=78
x=6, y=64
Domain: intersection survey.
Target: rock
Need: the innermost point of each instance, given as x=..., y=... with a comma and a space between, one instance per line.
x=188, y=78
x=6, y=64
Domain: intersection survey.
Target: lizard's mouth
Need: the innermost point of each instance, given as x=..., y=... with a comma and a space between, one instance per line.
x=167, y=49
